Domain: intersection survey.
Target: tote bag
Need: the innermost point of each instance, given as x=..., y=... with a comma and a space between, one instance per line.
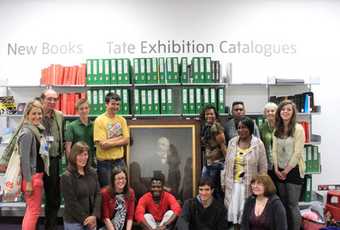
x=12, y=183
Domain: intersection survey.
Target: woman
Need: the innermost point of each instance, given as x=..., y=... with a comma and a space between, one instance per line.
x=34, y=161
x=118, y=205
x=214, y=148
x=246, y=157
x=264, y=209
x=80, y=187
x=288, y=147
x=266, y=132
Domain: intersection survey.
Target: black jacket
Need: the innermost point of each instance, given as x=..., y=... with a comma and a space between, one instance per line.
x=275, y=213
x=195, y=217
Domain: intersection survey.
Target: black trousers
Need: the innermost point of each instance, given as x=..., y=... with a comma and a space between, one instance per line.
x=52, y=194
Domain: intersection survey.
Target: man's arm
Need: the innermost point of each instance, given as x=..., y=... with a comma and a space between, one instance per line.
x=113, y=142
x=68, y=146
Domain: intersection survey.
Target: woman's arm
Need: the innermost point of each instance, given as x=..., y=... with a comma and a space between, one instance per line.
x=221, y=141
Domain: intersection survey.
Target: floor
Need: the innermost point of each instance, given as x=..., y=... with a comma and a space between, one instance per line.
x=14, y=223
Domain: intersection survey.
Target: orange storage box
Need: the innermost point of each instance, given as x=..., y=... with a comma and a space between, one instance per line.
x=333, y=204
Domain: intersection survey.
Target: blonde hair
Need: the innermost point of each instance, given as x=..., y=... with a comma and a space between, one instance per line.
x=30, y=105
x=270, y=105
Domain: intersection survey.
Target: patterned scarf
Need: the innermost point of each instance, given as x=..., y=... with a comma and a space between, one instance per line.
x=118, y=220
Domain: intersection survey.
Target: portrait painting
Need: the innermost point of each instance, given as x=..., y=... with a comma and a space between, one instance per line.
x=164, y=150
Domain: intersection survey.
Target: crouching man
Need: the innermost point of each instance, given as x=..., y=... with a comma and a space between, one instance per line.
x=157, y=209
x=203, y=212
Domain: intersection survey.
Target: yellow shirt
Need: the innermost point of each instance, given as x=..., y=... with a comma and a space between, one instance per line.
x=106, y=128
x=239, y=164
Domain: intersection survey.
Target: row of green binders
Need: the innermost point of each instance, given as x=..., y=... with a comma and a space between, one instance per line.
x=96, y=99
x=152, y=71
x=195, y=99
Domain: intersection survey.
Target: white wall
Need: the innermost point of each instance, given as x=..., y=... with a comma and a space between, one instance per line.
x=310, y=26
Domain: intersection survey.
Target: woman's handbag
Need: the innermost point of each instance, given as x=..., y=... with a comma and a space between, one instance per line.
x=13, y=178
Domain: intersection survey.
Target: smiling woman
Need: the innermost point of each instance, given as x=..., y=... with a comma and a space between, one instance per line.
x=33, y=162
x=80, y=188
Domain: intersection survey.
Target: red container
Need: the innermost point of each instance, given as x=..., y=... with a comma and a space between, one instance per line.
x=333, y=204
x=311, y=225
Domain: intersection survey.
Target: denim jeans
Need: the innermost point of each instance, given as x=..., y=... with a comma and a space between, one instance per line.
x=74, y=226
x=290, y=194
x=104, y=170
x=214, y=172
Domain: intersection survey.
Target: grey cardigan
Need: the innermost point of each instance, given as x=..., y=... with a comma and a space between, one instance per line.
x=27, y=143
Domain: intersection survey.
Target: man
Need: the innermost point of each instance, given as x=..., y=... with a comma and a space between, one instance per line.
x=157, y=209
x=230, y=128
x=203, y=212
x=53, y=122
x=81, y=130
x=111, y=134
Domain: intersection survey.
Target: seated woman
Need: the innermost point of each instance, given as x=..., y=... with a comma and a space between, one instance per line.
x=118, y=203
x=80, y=187
x=264, y=209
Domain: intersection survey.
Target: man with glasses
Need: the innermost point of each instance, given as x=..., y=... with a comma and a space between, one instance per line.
x=110, y=135
x=230, y=128
x=53, y=122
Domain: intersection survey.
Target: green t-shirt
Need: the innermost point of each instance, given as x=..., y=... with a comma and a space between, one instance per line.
x=77, y=131
x=267, y=133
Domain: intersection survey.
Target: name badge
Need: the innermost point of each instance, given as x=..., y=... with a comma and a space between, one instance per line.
x=50, y=138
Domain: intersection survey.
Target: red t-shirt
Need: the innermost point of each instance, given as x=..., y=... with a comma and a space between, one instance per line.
x=109, y=204
x=147, y=205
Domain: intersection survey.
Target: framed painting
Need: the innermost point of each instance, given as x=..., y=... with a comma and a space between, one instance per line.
x=169, y=149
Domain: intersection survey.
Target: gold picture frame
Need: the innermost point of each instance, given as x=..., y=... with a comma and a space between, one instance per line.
x=167, y=148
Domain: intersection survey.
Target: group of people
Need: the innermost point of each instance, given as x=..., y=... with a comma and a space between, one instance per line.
x=238, y=157
x=255, y=165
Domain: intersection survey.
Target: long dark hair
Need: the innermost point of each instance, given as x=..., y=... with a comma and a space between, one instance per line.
x=112, y=189
x=279, y=126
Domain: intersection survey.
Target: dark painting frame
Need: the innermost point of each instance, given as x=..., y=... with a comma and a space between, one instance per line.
x=181, y=166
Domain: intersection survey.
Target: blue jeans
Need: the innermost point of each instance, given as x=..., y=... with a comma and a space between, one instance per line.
x=74, y=226
x=214, y=172
x=104, y=170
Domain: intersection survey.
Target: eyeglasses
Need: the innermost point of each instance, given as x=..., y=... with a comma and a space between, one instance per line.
x=52, y=99
x=120, y=178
